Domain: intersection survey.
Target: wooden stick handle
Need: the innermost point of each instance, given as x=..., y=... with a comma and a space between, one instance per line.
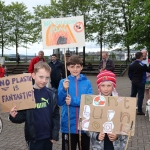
x=129, y=135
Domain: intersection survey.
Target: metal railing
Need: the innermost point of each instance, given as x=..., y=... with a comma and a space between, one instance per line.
x=122, y=67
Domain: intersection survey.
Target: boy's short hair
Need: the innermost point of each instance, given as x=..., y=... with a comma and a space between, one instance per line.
x=41, y=65
x=138, y=55
x=74, y=59
x=54, y=55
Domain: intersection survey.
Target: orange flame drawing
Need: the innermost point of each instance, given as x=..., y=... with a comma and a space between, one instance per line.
x=59, y=35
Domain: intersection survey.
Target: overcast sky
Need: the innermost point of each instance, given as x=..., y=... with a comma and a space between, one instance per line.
x=32, y=49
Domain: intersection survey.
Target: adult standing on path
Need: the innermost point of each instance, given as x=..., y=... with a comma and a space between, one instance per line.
x=56, y=71
x=137, y=74
x=106, y=63
x=18, y=58
x=34, y=61
x=2, y=71
x=147, y=84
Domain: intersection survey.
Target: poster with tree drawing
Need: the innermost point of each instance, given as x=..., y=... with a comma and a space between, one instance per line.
x=63, y=32
x=108, y=114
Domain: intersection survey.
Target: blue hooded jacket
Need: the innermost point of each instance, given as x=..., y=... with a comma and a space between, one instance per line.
x=77, y=87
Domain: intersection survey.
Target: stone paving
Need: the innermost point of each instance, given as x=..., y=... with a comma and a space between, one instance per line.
x=12, y=137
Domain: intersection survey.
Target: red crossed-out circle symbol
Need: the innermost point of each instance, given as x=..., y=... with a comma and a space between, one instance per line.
x=79, y=26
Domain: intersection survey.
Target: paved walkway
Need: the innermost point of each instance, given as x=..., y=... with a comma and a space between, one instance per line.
x=12, y=137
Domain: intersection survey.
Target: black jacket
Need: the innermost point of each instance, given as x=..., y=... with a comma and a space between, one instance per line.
x=56, y=72
x=109, y=65
x=137, y=72
x=27, y=117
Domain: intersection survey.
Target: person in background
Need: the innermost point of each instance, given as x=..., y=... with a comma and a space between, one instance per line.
x=18, y=58
x=56, y=73
x=147, y=84
x=35, y=60
x=106, y=63
x=137, y=74
x=6, y=73
x=42, y=123
x=90, y=67
x=106, y=82
x=2, y=71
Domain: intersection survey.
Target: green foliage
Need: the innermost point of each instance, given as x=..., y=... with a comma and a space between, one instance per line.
x=4, y=26
x=17, y=28
x=140, y=33
x=107, y=22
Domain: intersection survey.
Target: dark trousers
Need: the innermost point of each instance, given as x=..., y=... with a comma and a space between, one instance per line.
x=55, y=84
x=85, y=141
x=140, y=89
x=44, y=144
x=33, y=82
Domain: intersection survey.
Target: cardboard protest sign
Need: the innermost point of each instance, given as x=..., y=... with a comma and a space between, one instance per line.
x=108, y=114
x=16, y=91
x=63, y=32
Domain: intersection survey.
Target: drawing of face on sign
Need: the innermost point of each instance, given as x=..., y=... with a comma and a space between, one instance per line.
x=85, y=124
x=99, y=101
x=86, y=112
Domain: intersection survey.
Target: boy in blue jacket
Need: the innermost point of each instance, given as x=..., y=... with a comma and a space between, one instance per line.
x=76, y=84
x=42, y=123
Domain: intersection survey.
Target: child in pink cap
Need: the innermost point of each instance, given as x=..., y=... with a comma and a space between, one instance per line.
x=106, y=82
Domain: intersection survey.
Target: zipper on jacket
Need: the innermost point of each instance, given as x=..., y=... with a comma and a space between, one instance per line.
x=76, y=81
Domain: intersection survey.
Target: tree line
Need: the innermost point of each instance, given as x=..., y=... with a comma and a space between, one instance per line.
x=106, y=22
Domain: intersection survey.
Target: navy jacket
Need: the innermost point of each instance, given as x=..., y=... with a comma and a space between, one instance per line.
x=137, y=72
x=56, y=72
x=27, y=116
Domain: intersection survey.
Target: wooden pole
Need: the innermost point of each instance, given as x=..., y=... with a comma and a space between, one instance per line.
x=80, y=128
x=68, y=105
x=129, y=135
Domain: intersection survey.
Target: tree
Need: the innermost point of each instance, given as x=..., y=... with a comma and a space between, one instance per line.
x=121, y=20
x=4, y=27
x=140, y=33
x=21, y=32
x=98, y=24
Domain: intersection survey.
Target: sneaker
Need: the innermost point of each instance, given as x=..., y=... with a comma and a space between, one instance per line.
x=140, y=113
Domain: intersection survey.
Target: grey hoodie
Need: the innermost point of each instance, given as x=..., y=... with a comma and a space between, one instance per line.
x=118, y=144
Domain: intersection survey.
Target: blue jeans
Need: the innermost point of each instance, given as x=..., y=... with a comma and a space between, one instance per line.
x=138, y=88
